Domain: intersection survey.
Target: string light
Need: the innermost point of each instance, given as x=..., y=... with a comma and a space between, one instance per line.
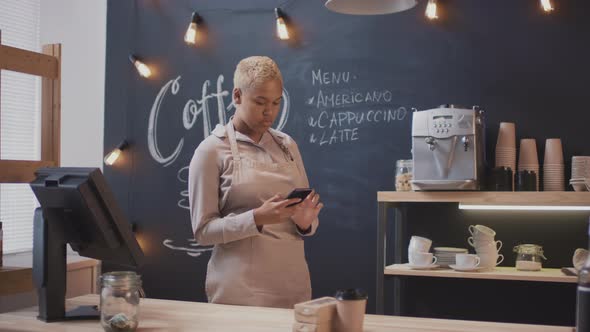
x=190, y=37
x=282, y=31
x=142, y=68
x=547, y=5
x=112, y=157
x=431, y=10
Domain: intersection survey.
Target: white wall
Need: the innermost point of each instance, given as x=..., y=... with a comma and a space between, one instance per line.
x=80, y=26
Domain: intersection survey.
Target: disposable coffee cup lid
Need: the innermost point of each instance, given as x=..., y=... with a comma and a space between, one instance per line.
x=351, y=294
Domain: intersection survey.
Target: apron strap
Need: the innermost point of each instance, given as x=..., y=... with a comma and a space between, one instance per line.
x=285, y=150
x=231, y=135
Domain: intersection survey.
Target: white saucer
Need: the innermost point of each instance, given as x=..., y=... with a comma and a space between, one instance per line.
x=466, y=269
x=422, y=267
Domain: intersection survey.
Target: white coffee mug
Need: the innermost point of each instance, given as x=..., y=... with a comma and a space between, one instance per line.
x=490, y=260
x=479, y=241
x=419, y=244
x=422, y=258
x=481, y=230
x=467, y=260
x=485, y=246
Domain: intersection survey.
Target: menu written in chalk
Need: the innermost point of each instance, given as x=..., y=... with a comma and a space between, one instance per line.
x=341, y=108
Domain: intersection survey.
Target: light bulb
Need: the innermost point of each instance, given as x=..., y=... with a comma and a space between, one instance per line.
x=112, y=157
x=547, y=5
x=190, y=37
x=141, y=67
x=431, y=10
x=282, y=31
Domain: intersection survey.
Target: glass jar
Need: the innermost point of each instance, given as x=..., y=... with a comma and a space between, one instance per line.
x=528, y=257
x=119, y=301
x=403, y=174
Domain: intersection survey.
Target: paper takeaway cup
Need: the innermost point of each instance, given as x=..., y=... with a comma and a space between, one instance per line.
x=528, y=152
x=350, y=310
x=553, y=152
x=506, y=135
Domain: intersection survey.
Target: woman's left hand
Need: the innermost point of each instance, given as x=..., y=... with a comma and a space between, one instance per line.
x=307, y=211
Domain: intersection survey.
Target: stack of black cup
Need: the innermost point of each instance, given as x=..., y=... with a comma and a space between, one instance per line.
x=526, y=181
x=501, y=179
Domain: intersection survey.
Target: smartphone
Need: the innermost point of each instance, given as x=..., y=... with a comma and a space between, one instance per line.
x=299, y=193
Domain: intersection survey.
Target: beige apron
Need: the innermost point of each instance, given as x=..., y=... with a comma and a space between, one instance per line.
x=268, y=269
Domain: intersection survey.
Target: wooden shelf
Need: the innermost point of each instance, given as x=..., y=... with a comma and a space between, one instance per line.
x=546, y=198
x=16, y=276
x=500, y=273
x=15, y=280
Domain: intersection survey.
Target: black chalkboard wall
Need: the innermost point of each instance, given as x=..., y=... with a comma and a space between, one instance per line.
x=350, y=83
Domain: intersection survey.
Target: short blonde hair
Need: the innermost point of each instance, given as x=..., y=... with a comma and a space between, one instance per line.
x=254, y=70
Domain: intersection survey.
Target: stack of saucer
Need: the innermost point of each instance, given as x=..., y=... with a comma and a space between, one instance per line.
x=527, y=158
x=445, y=256
x=506, y=146
x=580, y=173
x=553, y=168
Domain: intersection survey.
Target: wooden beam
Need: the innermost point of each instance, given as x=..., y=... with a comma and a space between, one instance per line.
x=20, y=171
x=47, y=65
x=0, y=115
x=0, y=103
x=28, y=62
x=51, y=110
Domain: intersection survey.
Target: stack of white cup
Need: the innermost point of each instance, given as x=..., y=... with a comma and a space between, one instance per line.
x=486, y=247
x=506, y=146
x=580, y=173
x=418, y=252
x=527, y=158
x=553, y=168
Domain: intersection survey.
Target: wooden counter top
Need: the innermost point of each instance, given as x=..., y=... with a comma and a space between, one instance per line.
x=164, y=315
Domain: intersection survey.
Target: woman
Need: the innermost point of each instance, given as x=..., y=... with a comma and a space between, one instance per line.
x=238, y=180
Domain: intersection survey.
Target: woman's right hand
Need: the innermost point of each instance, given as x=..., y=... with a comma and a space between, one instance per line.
x=274, y=210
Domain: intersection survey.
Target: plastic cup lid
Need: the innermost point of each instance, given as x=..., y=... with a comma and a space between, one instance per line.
x=351, y=294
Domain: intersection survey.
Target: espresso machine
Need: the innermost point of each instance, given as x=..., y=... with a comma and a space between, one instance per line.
x=448, y=148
